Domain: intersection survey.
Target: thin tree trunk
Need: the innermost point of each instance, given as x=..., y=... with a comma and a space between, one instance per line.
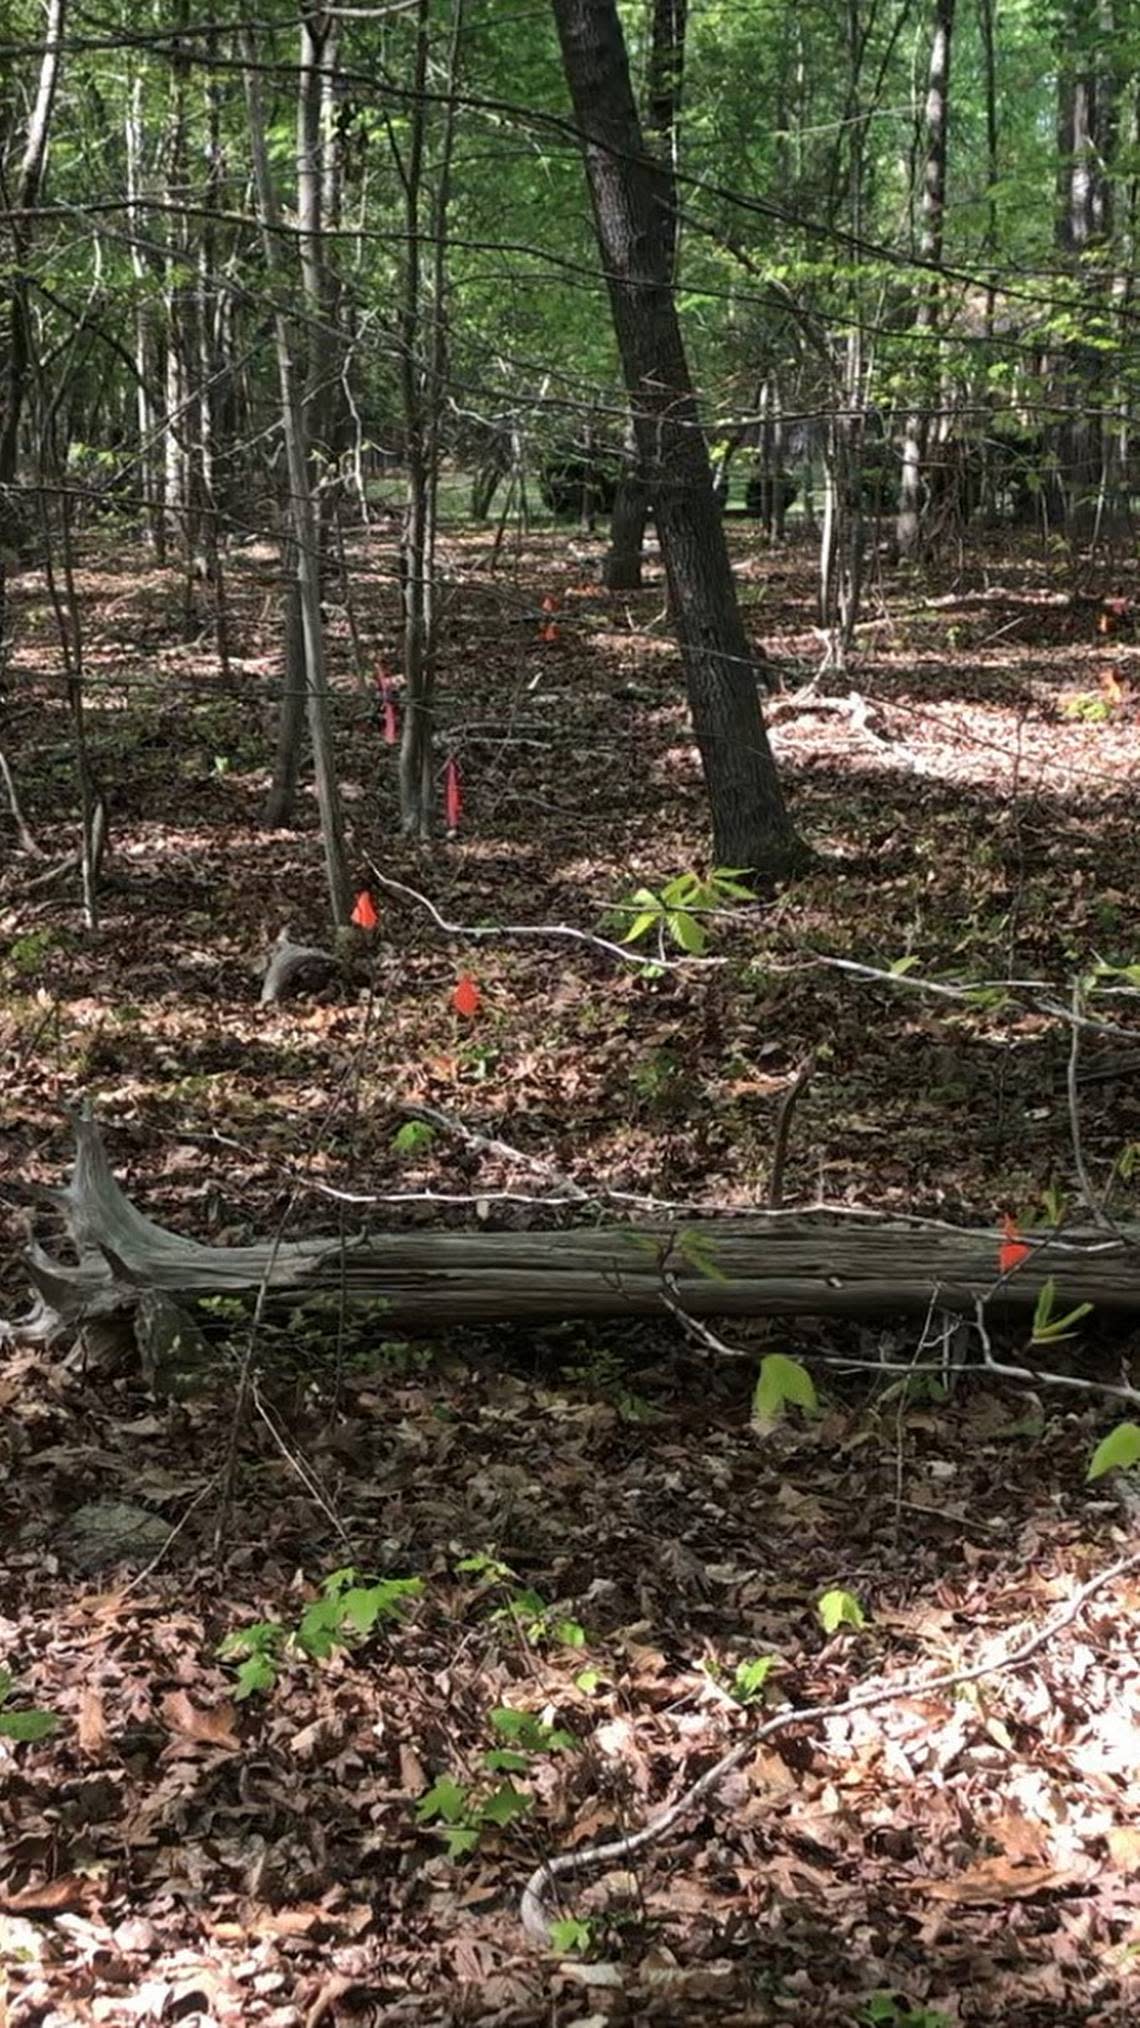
x=311, y=372
x=282, y=796
x=1086, y=139
x=751, y=825
x=317, y=44
x=210, y=370
x=621, y=570
x=417, y=746
x=301, y=508
x=909, y=524
x=178, y=432
x=27, y=189
x=149, y=466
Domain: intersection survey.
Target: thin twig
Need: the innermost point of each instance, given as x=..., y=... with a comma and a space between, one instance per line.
x=489, y=1145
x=1092, y=1201
x=912, y=982
x=1041, y=1376
x=784, y=1114
x=297, y=1464
x=637, y=959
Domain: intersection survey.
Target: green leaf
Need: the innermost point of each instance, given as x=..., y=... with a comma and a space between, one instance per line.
x=257, y=1673
x=687, y=932
x=728, y=880
x=319, y=1628
x=483, y=1565
x=642, y=923
x=412, y=1137
x=1046, y=1327
x=782, y=1380
x=681, y=892
x=840, y=1608
x=460, y=1839
x=27, y=1725
x=383, y=1601
x=901, y=966
x=750, y=1677
x=571, y=1935
x=446, y=1798
x=504, y=1805
x=1117, y=1452
x=506, y=1760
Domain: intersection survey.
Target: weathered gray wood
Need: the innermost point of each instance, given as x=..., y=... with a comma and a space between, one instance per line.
x=773, y=1264
x=294, y=968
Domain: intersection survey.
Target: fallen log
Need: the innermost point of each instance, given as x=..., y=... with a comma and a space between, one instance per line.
x=775, y=1263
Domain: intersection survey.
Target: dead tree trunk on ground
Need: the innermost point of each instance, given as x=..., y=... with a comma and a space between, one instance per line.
x=779, y=1264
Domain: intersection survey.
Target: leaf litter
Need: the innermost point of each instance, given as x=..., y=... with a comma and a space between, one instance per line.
x=602, y=1536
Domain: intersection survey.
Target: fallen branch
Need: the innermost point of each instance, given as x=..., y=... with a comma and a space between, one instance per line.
x=545, y=932
x=544, y=1880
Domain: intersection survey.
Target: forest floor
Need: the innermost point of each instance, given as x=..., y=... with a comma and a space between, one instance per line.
x=602, y=1539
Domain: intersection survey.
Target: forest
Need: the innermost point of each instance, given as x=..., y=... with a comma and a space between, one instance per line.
x=604, y=1494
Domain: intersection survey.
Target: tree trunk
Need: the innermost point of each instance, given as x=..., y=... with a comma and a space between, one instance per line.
x=423, y=346
x=146, y=349
x=751, y=826
x=621, y=570
x=775, y=1265
x=303, y=519
x=1086, y=138
x=282, y=796
x=19, y=332
x=908, y=527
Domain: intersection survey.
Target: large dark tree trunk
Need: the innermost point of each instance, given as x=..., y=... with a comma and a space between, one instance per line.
x=630, y=190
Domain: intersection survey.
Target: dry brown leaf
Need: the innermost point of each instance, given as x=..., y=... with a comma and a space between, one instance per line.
x=1019, y=1837
x=998, y=1879
x=207, y=1725
x=70, y=1891
x=413, y=1780
x=299, y=1921
x=91, y=1723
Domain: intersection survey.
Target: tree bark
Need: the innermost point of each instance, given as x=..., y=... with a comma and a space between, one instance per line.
x=19, y=332
x=621, y=570
x=630, y=191
x=908, y=528
x=1086, y=145
x=303, y=518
